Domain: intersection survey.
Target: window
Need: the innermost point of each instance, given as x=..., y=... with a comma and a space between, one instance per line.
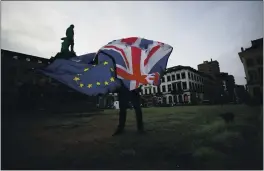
x=174, y=88
x=170, y=99
x=193, y=86
x=175, y=99
x=168, y=78
x=183, y=75
x=163, y=88
x=173, y=77
x=184, y=85
x=190, y=86
x=249, y=62
x=169, y=88
x=178, y=76
x=196, y=87
x=39, y=61
x=179, y=86
x=164, y=100
x=189, y=75
x=163, y=79
x=15, y=57
x=159, y=89
x=28, y=59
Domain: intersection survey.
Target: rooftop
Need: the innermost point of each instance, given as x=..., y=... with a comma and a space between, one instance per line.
x=258, y=43
x=180, y=67
x=21, y=56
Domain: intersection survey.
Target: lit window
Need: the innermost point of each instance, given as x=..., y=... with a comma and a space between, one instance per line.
x=28, y=59
x=15, y=57
x=39, y=61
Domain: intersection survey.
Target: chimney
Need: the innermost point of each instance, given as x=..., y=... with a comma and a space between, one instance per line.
x=242, y=49
x=211, y=60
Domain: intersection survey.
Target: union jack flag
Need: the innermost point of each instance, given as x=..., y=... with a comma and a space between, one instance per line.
x=138, y=61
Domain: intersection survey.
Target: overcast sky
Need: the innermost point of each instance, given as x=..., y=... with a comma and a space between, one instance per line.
x=198, y=31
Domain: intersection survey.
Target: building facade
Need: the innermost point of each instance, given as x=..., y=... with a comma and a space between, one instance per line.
x=241, y=94
x=252, y=59
x=209, y=67
x=23, y=87
x=228, y=82
x=180, y=84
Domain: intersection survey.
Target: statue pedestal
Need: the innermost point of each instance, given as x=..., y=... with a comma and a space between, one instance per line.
x=63, y=55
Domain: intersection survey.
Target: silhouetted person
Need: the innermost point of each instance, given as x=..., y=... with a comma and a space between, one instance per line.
x=124, y=97
x=70, y=36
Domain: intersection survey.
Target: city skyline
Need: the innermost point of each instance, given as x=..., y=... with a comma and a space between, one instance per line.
x=198, y=31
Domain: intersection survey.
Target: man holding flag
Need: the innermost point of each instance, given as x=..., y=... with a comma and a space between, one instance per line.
x=123, y=65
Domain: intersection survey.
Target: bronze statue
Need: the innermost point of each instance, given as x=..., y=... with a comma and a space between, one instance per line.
x=68, y=40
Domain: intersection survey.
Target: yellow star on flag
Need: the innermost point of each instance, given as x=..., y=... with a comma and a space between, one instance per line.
x=112, y=79
x=105, y=63
x=93, y=65
x=112, y=69
x=98, y=83
x=76, y=78
x=86, y=69
x=89, y=85
x=106, y=83
x=81, y=85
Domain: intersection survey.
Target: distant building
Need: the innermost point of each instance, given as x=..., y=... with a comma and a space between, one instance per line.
x=228, y=83
x=209, y=67
x=241, y=93
x=180, y=84
x=252, y=59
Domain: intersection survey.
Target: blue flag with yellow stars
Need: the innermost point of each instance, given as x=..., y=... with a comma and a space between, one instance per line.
x=80, y=74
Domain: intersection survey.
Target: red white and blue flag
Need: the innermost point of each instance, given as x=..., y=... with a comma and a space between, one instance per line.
x=138, y=61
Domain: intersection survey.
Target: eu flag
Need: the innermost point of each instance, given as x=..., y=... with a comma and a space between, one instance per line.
x=80, y=74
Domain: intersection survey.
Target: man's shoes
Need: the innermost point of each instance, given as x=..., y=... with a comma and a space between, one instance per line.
x=118, y=132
